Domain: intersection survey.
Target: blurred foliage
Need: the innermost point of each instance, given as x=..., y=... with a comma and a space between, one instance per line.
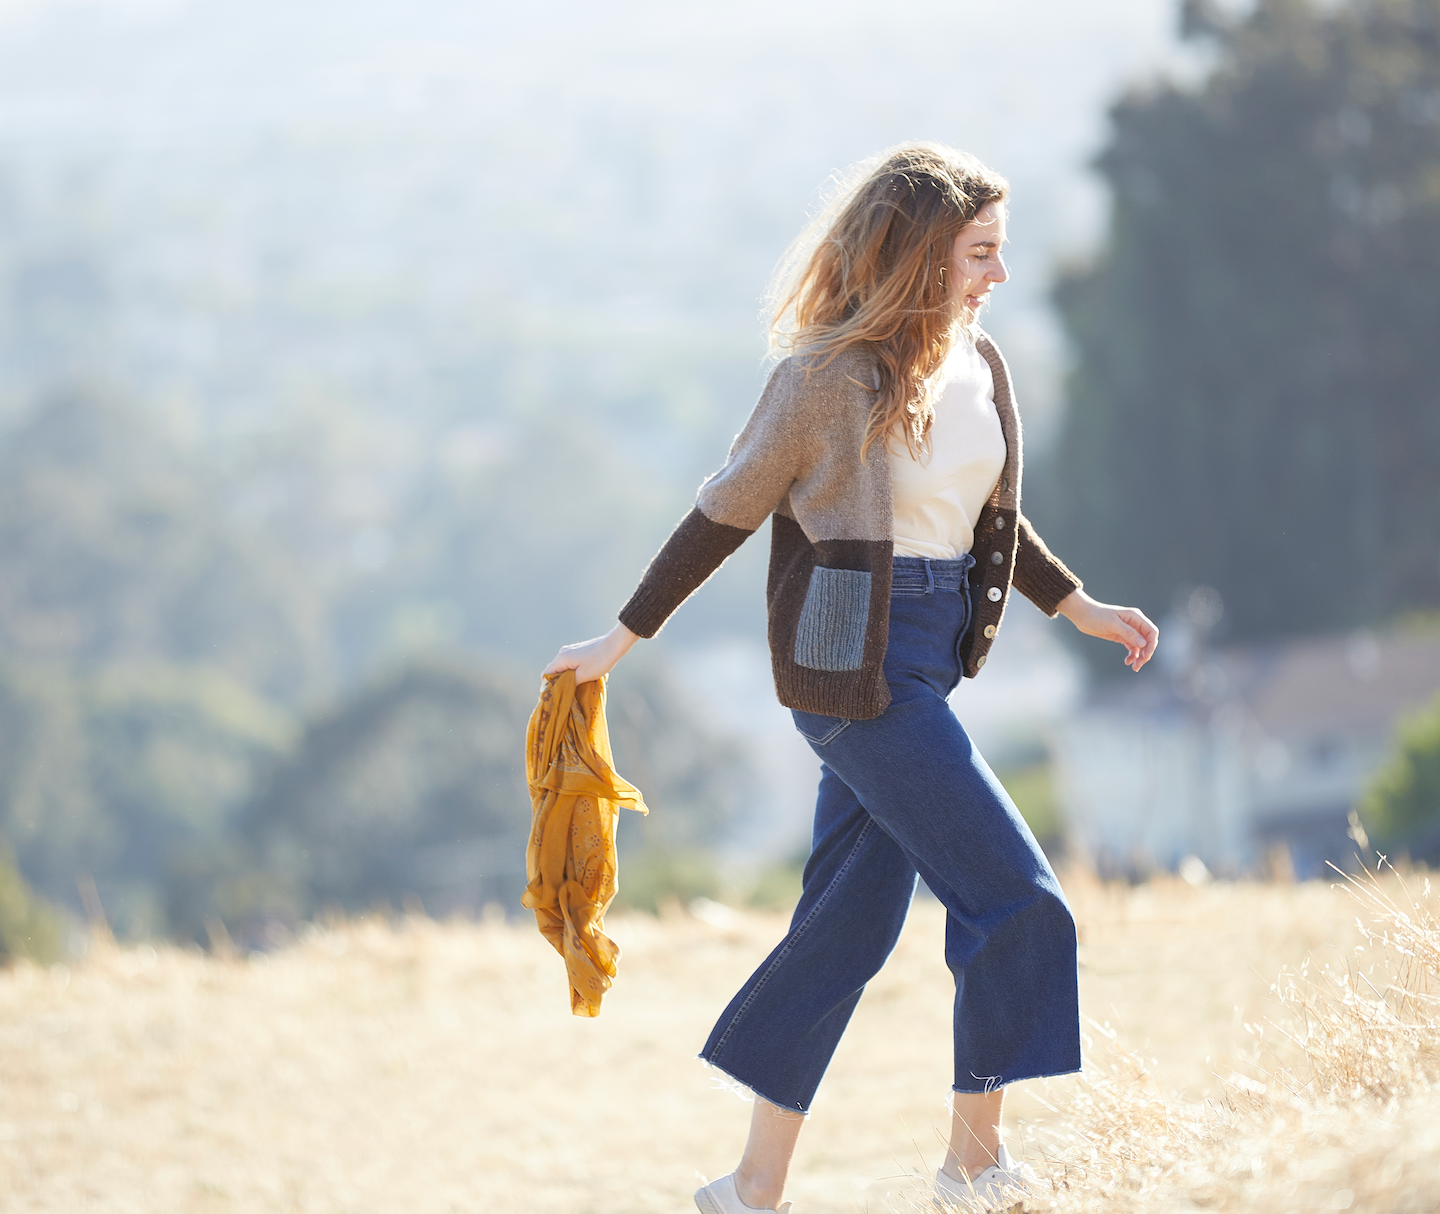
x=108, y=774
x=29, y=927
x=413, y=788
x=150, y=641
x=1401, y=806
x=523, y=540
x=650, y=880
x=114, y=547
x=1032, y=789
x=1255, y=400
x=776, y=886
x=696, y=781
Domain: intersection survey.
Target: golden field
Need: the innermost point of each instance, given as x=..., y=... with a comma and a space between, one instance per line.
x=422, y=1066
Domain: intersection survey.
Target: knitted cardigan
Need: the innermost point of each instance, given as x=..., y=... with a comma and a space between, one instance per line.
x=797, y=461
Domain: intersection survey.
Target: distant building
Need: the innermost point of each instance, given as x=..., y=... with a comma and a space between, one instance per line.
x=1234, y=752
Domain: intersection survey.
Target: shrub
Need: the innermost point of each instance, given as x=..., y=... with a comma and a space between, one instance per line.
x=1402, y=802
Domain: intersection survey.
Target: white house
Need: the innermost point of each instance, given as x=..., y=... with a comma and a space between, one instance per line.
x=1232, y=752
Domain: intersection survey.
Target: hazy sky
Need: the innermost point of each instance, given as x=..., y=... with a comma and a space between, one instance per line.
x=1024, y=83
x=461, y=140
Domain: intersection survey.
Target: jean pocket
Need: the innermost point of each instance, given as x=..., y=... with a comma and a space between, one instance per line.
x=819, y=730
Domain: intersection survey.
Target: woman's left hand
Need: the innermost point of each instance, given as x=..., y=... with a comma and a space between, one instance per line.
x=1126, y=626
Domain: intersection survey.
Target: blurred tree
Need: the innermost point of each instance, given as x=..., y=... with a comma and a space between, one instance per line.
x=477, y=549
x=414, y=787
x=1256, y=400
x=1401, y=807
x=481, y=547
x=113, y=548
x=696, y=781
x=106, y=776
x=48, y=809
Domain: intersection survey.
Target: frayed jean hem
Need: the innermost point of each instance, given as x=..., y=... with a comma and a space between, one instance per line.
x=992, y=1083
x=723, y=1081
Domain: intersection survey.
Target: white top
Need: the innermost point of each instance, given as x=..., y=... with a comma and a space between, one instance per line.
x=939, y=496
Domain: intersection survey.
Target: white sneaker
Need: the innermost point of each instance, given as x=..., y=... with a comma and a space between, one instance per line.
x=720, y=1197
x=1001, y=1187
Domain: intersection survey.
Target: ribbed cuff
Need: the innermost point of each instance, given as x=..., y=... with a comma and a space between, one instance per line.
x=696, y=548
x=648, y=609
x=1047, y=586
x=1040, y=575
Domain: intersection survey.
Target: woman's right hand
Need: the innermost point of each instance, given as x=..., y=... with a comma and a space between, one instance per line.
x=593, y=659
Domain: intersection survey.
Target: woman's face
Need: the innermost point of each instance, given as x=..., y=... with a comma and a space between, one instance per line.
x=976, y=266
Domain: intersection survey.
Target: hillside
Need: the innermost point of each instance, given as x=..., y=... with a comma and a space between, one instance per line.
x=421, y=1066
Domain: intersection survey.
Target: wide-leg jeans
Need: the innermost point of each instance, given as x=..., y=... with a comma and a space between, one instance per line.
x=904, y=794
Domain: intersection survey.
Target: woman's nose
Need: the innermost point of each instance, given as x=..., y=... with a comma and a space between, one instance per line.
x=999, y=271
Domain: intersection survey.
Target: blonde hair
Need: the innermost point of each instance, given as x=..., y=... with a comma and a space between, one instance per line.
x=870, y=268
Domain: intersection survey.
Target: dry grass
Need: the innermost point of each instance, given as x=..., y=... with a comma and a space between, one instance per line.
x=1333, y=1105
x=435, y=1067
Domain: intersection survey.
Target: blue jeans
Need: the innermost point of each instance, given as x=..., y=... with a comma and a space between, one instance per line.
x=902, y=794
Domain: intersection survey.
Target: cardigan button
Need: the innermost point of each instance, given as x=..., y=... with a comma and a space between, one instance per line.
x=997, y=558
x=999, y=522
x=980, y=661
x=989, y=632
x=1004, y=482
x=994, y=594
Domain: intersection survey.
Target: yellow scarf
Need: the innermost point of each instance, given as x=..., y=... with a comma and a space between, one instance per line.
x=570, y=862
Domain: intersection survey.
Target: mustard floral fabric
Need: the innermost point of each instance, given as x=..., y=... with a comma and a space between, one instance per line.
x=570, y=863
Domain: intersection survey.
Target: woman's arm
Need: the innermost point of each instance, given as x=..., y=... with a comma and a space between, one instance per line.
x=764, y=461
x=1126, y=626
x=595, y=658
x=1043, y=578
x=1040, y=575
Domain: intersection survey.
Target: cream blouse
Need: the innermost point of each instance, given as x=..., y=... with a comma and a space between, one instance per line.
x=939, y=496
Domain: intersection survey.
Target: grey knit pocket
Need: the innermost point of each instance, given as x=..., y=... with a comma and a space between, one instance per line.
x=831, y=633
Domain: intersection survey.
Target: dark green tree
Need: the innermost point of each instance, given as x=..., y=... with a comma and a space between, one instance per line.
x=1256, y=399
x=1402, y=803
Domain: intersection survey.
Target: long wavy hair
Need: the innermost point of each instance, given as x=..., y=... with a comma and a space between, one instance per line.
x=871, y=268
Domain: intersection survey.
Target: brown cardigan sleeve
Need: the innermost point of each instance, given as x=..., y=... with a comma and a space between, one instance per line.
x=1040, y=575
x=695, y=549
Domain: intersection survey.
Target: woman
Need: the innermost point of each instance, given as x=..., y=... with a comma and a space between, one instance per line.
x=886, y=453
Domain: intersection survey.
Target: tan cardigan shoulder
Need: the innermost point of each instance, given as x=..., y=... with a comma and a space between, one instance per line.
x=800, y=453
